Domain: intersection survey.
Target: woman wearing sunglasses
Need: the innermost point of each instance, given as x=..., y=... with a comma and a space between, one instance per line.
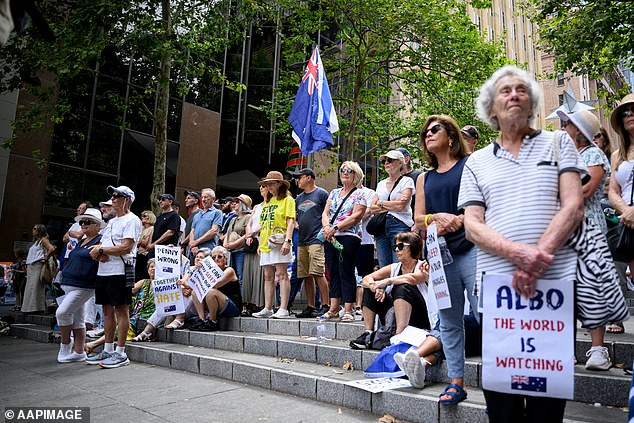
x=437, y=203
x=393, y=195
x=78, y=282
x=394, y=285
x=224, y=299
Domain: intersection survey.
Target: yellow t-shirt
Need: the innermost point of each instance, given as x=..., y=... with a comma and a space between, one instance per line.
x=274, y=214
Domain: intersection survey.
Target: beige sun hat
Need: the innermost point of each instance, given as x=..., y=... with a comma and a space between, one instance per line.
x=615, y=115
x=584, y=120
x=274, y=176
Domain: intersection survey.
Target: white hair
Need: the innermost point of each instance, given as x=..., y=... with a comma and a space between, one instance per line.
x=222, y=250
x=484, y=103
x=210, y=191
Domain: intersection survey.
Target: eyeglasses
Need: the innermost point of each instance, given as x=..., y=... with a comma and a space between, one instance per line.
x=387, y=160
x=400, y=245
x=627, y=110
x=346, y=170
x=564, y=123
x=117, y=195
x=434, y=129
x=219, y=256
x=597, y=135
x=87, y=222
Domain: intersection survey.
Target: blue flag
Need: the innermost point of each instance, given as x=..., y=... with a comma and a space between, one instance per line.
x=313, y=116
x=631, y=410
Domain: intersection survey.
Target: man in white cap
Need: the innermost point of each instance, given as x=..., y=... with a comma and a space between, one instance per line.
x=116, y=255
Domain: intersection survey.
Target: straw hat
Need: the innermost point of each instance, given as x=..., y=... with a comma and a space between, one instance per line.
x=245, y=199
x=394, y=155
x=614, y=116
x=274, y=176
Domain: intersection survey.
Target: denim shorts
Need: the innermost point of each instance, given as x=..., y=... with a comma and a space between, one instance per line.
x=230, y=309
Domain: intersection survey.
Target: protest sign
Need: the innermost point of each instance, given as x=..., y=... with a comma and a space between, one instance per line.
x=528, y=344
x=167, y=262
x=184, y=265
x=168, y=297
x=437, y=277
x=205, y=277
x=380, y=384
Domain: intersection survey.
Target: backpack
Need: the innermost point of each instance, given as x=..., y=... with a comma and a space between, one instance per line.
x=380, y=338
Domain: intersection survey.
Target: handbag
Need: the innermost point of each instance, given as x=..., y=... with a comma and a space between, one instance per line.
x=622, y=247
x=48, y=271
x=277, y=238
x=376, y=224
x=255, y=244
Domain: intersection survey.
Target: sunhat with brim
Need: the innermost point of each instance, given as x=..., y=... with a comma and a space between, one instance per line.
x=91, y=214
x=614, y=116
x=584, y=120
x=245, y=199
x=274, y=176
x=394, y=155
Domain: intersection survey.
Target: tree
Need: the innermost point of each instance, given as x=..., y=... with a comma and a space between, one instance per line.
x=427, y=54
x=586, y=37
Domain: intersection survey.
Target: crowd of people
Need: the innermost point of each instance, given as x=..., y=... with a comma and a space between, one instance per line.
x=359, y=253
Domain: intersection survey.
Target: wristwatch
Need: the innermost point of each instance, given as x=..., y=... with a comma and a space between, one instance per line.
x=336, y=227
x=290, y=241
x=100, y=251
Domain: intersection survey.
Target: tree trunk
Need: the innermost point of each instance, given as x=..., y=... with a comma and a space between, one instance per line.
x=162, y=110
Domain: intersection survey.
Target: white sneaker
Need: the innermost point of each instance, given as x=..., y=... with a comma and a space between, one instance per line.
x=72, y=357
x=64, y=350
x=282, y=314
x=598, y=359
x=413, y=366
x=265, y=313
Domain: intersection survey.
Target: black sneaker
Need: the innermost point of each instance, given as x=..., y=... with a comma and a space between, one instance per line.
x=198, y=326
x=307, y=312
x=360, y=342
x=209, y=326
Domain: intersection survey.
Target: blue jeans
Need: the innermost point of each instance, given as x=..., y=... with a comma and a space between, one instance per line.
x=385, y=242
x=230, y=309
x=237, y=262
x=460, y=277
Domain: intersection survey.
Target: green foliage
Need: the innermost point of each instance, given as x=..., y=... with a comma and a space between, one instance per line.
x=586, y=37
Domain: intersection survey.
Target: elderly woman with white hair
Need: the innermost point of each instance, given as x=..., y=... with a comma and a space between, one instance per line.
x=236, y=234
x=521, y=224
x=393, y=195
x=224, y=299
x=341, y=221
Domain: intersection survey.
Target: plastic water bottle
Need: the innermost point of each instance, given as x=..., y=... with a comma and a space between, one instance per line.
x=447, y=258
x=320, y=330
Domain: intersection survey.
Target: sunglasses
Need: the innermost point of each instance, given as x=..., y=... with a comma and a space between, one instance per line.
x=627, y=110
x=434, y=129
x=387, y=160
x=597, y=135
x=346, y=170
x=400, y=246
x=564, y=124
x=116, y=195
x=217, y=257
x=87, y=222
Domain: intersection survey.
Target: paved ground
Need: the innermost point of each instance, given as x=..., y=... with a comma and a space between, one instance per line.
x=142, y=393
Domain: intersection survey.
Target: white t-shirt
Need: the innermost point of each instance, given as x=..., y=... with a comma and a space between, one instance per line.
x=404, y=215
x=118, y=229
x=72, y=242
x=182, y=228
x=366, y=238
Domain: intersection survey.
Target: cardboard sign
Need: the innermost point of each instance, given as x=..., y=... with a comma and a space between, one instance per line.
x=437, y=277
x=167, y=262
x=528, y=344
x=168, y=297
x=205, y=277
x=184, y=265
x=380, y=384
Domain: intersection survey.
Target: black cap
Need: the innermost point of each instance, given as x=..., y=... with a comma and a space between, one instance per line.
x=193, y=194
x=167, y=197
x=405, y=152
x=305, y=171
x=228, y=200
x=470, y=131
x=175, y=203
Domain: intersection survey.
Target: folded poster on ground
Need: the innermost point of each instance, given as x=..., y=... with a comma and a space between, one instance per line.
x=379, y=384
x=205, y=278
x=168, y=297
x=167, y=262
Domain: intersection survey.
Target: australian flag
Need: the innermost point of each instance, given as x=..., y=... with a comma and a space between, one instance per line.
x=528, y=383
x=313, y=116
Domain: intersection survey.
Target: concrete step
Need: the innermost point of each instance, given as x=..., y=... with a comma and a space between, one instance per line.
x=610, y=387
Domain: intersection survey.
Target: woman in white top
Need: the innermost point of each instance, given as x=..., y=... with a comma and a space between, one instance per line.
x=393, y=196
x=39, y=252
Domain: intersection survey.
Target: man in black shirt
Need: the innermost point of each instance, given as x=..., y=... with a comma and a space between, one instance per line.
x=167, y=225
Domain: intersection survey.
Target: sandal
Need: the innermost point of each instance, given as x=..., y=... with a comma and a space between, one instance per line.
x=176, y=324
x=329, y=315
x=347, y=317
x=142, y=337
x=456, y=397
x=615, y=328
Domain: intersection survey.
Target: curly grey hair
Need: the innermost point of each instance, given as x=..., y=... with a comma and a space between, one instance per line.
x=222, y=250
x=484, y=103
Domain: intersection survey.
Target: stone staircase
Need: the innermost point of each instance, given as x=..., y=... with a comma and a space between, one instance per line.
x=284, y=356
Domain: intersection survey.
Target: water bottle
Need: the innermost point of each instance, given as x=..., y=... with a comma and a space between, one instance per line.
x=320, y=330
x=338, y=245
x=444, y=251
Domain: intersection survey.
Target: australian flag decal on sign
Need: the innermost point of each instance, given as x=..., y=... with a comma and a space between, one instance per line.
x=528, y=383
